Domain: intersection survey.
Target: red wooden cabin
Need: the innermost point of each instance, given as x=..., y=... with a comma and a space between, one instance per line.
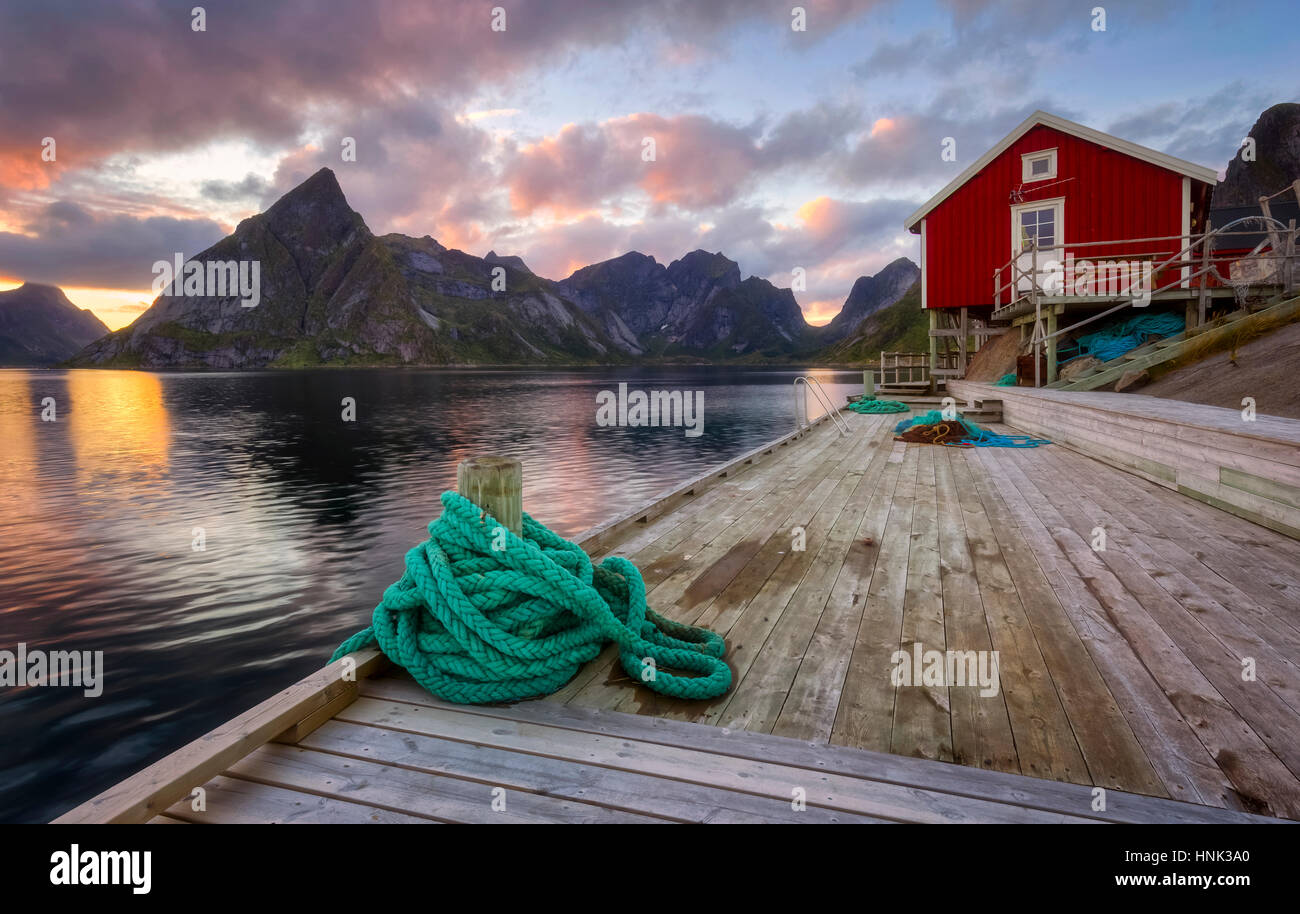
x=1066, y=187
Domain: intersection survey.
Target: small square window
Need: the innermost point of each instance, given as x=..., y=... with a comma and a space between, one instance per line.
x=1038, y=166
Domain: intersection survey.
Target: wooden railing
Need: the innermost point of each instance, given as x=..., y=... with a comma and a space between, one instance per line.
x=904, y=368
x=1169, y=262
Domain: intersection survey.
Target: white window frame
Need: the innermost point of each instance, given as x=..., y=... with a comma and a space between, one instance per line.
x=1057, y=203
x=1027, y=160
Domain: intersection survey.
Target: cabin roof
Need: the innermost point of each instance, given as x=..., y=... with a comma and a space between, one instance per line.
x=1172, y=163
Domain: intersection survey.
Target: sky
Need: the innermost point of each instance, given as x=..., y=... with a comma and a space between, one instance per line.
x=521, y=126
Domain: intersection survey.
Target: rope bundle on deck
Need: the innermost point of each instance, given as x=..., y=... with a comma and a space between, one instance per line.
x=935, y=428
x=871, y=405
x=475, y=624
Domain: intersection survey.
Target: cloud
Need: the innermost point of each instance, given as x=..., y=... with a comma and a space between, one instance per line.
x=67, y=245
x=698, y=162
x=252, y=187
x=1206, y=130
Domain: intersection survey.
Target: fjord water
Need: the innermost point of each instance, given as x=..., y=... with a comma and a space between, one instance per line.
x=305, y=519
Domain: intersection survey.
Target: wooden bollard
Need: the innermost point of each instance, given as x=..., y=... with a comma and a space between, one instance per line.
x=495, y=484
x=869, y=385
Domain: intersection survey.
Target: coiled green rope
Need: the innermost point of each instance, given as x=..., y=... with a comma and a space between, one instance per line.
x=474, y=624
x=872, y=405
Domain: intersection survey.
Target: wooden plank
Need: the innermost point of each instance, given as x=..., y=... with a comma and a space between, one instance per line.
x=981, y=730
x=1046, y=675
x=153, y=790
x=620, y=790
x=420, y=793
x=913, y=772
x=865, y=716
x=231, y=801
x=758, y=700
x=810, y=706
x=922, y=724
x=833, y=791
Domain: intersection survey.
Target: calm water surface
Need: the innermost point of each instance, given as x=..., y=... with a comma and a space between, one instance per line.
x=305, y=519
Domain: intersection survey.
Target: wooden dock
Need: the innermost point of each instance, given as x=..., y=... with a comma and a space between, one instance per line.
x=1120, y=668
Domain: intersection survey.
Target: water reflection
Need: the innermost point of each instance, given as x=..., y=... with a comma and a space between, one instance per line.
x=303, y=520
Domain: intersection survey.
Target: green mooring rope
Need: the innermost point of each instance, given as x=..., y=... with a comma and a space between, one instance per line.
x=475, y=624
x=872, y=405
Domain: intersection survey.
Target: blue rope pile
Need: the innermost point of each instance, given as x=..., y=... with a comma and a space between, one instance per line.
x=1114, y=340
x=970, y=434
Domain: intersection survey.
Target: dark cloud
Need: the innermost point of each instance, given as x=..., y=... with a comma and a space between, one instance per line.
x=1207, y=129
x=251, y=188
x=77, y=248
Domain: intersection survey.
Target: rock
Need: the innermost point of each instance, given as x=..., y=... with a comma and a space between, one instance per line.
x=1072, y=369
x=1132, y=380
x=1277, y=160
x=871, y=294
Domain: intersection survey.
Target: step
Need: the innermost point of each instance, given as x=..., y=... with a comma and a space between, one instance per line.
x=982, y=416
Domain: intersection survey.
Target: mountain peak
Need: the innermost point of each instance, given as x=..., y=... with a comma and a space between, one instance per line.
x=509, y=260
x=321, y=191
x=872, y=293
x=40, y=326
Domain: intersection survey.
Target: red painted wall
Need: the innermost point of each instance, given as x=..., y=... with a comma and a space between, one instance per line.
x=1108, y=196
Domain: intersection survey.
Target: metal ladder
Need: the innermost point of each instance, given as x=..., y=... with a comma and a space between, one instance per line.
x=822, y=397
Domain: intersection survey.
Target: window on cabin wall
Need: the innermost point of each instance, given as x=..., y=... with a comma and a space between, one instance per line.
x=1038, y=225
x=1038, y=166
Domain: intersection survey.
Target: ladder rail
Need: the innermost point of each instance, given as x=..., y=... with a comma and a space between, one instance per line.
x=812, y=384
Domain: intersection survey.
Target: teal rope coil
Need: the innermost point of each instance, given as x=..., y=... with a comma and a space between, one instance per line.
x=1007, y=380
x=1114, y=340
x=872, y=405
x=975, y=436
x=475, y=624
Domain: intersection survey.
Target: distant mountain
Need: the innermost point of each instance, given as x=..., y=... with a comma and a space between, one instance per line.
x=1276, y=164
x=697, y=306
x=334, y=293
x=870, y=294
x=900, y=327
x=39, y=326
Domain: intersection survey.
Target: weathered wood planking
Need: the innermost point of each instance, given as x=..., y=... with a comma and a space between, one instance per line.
x=1212, y=454
x=1118, y=669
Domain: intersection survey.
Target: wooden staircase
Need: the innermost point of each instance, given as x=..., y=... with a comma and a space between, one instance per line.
x=1172, y=347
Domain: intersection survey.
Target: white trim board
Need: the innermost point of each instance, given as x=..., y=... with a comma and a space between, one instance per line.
x=1179, y=166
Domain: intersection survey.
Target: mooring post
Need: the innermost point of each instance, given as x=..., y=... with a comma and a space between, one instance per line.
x=869, y=385
x=495, y=484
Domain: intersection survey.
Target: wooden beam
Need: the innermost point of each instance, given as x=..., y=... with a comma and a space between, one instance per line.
x=152, y=791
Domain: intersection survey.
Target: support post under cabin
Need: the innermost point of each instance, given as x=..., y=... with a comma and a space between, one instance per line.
x=934, y=345
x=496, y=485
x=1051, y=344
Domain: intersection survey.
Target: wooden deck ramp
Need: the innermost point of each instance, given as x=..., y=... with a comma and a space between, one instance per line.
x=1163, y=668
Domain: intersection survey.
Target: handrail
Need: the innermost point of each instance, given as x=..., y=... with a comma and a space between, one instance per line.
x=820, y=393
x=1183, y=256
